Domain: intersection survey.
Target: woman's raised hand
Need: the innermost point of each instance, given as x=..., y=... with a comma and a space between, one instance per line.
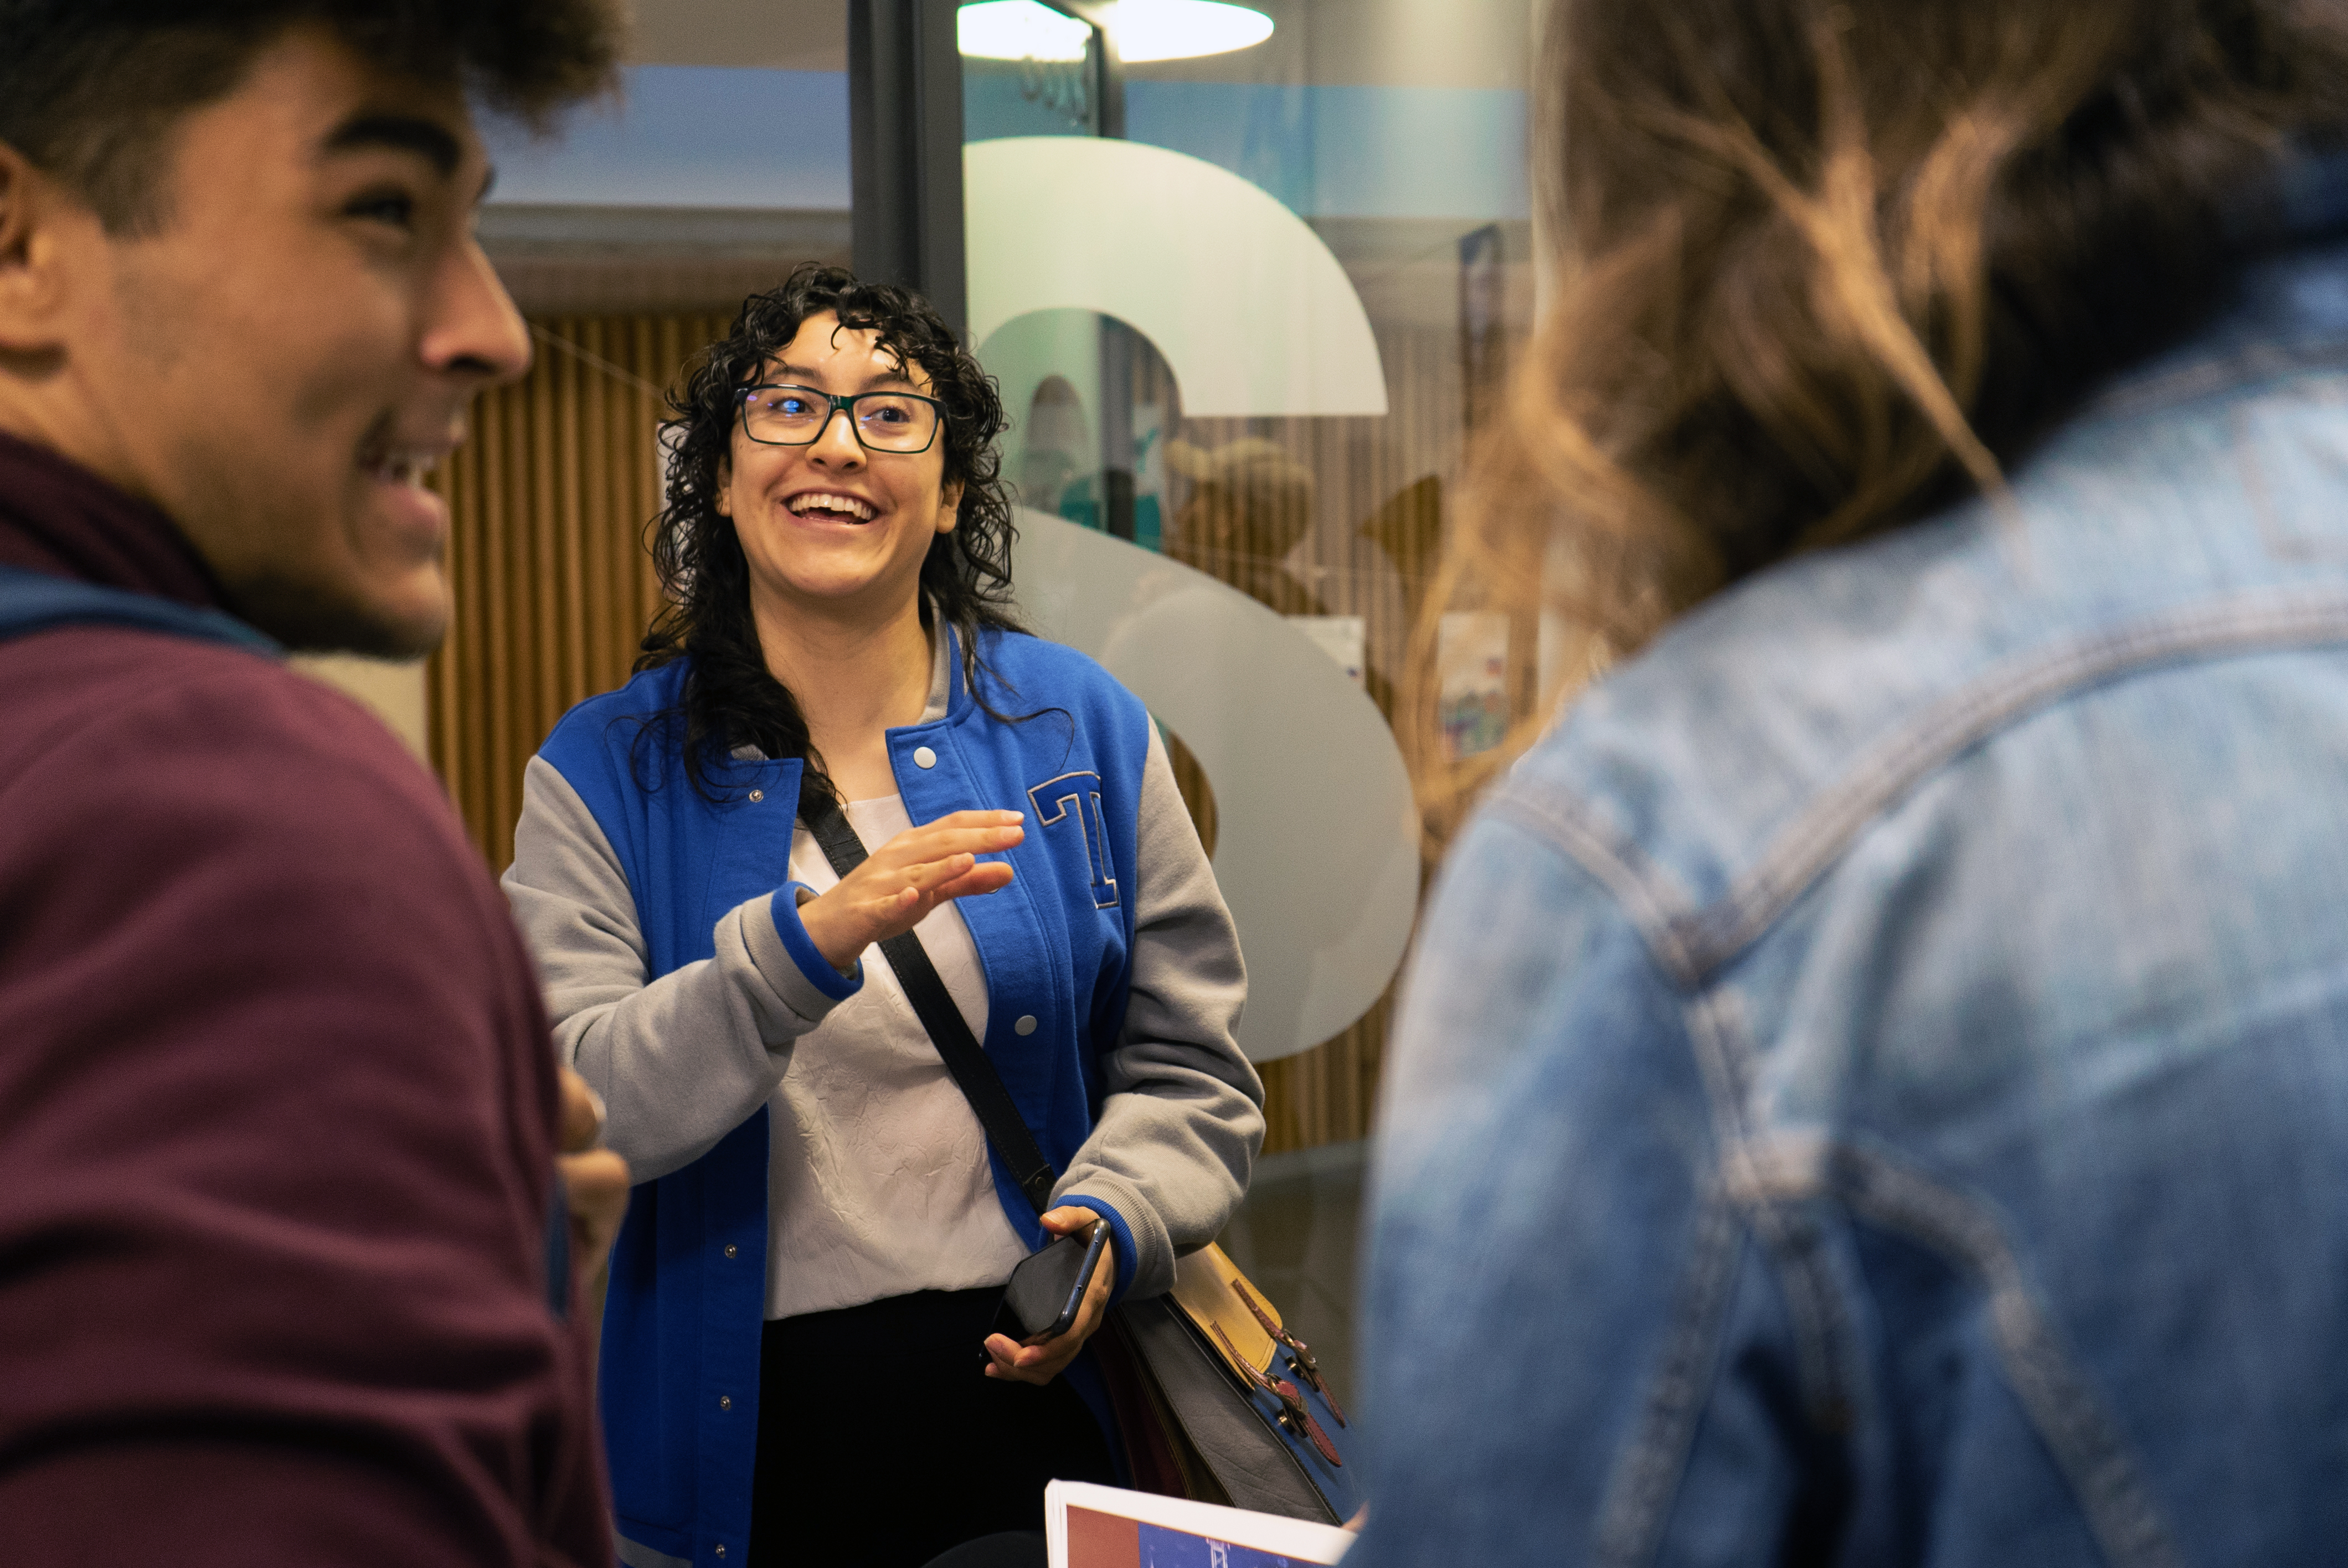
x=906, y=878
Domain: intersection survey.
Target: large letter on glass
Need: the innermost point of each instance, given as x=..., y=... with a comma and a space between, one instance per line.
x=1318, y=846
x=1247, y=305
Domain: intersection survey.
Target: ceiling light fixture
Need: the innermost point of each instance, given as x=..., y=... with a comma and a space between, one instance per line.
x=1148, y=30
x=1145, y=30
x=1019, y=30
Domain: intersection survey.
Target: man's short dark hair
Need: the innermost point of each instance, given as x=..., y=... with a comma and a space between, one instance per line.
x=90, y=90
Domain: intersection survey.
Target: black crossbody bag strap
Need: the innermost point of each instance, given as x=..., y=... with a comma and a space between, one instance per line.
x=934, y=1006
x=1177, y=1407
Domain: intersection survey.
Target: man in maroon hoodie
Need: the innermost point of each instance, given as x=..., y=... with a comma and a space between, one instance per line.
x=277, y=1109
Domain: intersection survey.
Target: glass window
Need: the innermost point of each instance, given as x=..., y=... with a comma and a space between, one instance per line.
x=1245, y=307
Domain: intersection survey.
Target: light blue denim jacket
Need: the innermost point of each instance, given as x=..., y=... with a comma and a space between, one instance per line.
x=1873, y=1084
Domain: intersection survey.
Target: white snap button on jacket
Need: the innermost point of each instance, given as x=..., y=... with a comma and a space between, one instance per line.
x=757, y=795
x=1026, y=1024
x=924, y=758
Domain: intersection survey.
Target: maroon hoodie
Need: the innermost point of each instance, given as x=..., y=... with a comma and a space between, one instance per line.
x=276, y=1115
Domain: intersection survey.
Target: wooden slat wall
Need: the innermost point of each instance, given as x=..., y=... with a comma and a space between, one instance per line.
x=554, y=589
x=548, y=503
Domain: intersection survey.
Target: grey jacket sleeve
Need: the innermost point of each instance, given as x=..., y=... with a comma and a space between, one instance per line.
x=681, y=1061
x=1183, y=1118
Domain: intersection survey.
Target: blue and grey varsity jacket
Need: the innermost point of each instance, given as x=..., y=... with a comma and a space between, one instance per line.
x=679, y=980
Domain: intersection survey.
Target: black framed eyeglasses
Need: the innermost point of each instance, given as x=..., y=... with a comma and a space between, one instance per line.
x=903, y=423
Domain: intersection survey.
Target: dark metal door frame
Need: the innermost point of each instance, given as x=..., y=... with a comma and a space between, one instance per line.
x=905, y=135
x=904, y=141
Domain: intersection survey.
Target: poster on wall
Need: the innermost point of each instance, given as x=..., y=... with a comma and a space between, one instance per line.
x=1471, y=672
x=1344, y=638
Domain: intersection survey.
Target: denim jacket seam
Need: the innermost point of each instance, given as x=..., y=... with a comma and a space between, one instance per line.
x=1658, y=911
x=1763, y=1178
x=1735, y=1202
x=1876, y=1185
x=1826, y=1343
x=1758, y=1178
x=1646, y=1479
x=2253, y=368
x=1705, y=939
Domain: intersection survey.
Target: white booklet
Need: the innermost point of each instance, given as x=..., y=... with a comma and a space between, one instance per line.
x=1089, y=1526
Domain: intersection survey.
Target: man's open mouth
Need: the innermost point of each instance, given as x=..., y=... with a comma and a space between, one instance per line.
x=403, y=467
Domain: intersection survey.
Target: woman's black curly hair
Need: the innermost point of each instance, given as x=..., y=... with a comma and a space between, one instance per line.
x=730, y=699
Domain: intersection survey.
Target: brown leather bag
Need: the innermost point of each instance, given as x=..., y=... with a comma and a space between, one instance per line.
x=1215, y=1399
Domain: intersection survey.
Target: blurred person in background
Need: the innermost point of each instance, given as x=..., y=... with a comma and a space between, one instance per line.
x=283, y=1267
x=1873, y=1083
x=1251, y=504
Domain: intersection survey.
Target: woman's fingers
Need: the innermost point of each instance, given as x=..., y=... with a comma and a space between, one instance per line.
x=992, y=877
x=922, y=888
x=930, y=848
x=960, y=833
x=976, y=819
x=907, y=877
x=583, y=1114
x=596, y=1184
x=1042, y=1361
x=1007, y=1358
x=946, y=879
x=1002, y=1357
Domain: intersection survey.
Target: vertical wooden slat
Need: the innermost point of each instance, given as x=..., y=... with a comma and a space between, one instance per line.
x=490, y=692
x=455, y=480
x=539, y=655
x=554, y=589
x=578, y=473
x=493, y=693
x=591, y=593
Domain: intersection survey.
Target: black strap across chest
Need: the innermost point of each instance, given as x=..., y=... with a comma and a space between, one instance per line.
x=934, y=1006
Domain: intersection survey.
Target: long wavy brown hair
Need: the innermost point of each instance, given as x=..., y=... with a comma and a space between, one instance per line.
x=1823, y=266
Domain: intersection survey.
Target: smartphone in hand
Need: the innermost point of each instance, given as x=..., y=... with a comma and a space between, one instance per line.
x=1047, y=1289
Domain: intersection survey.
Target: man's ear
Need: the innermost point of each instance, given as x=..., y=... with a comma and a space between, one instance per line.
x=33, y=210
x=949, y=507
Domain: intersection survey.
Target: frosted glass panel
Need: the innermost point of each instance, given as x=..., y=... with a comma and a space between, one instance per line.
x=1318, y=845
x=1247, y=310
x=1237, y=294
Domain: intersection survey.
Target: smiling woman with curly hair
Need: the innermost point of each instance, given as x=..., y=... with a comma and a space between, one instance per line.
x=808, y=1277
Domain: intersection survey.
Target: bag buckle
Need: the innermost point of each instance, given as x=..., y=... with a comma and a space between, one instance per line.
x=1300, y=1354
x=1293, y=1416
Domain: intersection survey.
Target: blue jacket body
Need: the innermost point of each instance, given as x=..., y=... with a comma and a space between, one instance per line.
x=681, y=1325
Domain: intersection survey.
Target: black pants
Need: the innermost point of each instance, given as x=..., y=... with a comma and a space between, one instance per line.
x=882, y=1443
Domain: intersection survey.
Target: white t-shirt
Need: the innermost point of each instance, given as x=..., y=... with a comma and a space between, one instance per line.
x=878, y=1181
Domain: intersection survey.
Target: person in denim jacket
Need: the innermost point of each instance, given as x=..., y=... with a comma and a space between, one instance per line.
x=1872, y=1087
